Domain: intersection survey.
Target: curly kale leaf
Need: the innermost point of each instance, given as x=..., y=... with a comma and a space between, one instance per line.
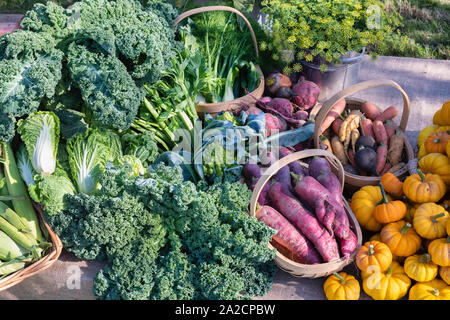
x=29, y=71
x=106, y=87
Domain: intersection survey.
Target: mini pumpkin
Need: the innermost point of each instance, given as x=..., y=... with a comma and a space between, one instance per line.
x=437, y=142
x=439, y=250
x=389, y=211
x=432, y=290
x=444, y=273
x=410, y=211
x=422, y=153
x=421, y=188
x=373, y=254
x=420, y=267
x=392, y=185
x=425, y=133
x=401, y=238
x=430, y=221
x=363, y=204
x=341, y=286
x=442, y=116
x=436, y=163
x=445, y=129
x=392, y=284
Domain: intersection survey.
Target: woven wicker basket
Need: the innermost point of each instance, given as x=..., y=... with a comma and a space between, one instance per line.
x=247, y=100
x=357, y=181
x=45, y=262
x=284, y=263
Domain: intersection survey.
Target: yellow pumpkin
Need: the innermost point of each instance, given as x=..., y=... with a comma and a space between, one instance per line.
x=421, y=268
x=432, y=290
x=422, y=152
x=444, y=273
x=442, y=116
x=439, y=249
x=373, y=254
x=445, y=129
x=448, y=227
x=437, y=142
x=375, y=237
x=447, y=150
x=430, y=220
x=401, y=238
x=425, y=132
x=436, y=163
x=392, y=284
x=341, y=286
x=421, y=188
x=363, y=204
x=410, y=211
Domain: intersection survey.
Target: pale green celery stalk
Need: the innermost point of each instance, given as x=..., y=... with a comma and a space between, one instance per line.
x=157, y=134
x=16, y=187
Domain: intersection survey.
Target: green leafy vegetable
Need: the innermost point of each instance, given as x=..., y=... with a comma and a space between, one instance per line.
x=40, y=134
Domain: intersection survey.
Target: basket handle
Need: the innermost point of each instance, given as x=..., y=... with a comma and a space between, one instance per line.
x=330, y=103
x=219, y=8
x=285, y=161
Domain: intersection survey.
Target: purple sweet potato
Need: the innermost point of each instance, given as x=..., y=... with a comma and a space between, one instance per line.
x=295, y=166
x=318, y=197
x=319, y=165
x=289, y=241
x=333, y=185
x=305, y=221
x=348, y=245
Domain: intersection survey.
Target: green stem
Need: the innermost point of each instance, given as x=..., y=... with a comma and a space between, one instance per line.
x=437, y=216
x=341, y=278
x=384, y=200
x=389, y=271
x=425, y=258
x=405, y=228
x=421, y=175
x=370, y=250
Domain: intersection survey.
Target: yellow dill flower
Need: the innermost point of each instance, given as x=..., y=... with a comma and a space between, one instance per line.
x=309, y=57
x=297, y=67
x=287, y=70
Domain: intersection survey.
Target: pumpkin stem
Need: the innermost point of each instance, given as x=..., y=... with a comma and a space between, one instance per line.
x=437, y=216
x=448, y=240
x=437, y=140
x=425, y=258
x=341, y=278
x=389, y=271
x=435, y=292
x=384, y=200
x=421, y=175
x=405, y=228
x=370, y=250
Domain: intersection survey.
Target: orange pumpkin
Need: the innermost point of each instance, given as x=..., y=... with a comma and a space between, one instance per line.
x=392, y=185
x=444, y=273
x=373, y=254
x=389, y=211
x=437, y=142
x=401, y=238
x=439, y=249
